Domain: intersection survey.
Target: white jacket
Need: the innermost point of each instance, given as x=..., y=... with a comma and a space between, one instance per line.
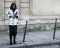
x=12, y=21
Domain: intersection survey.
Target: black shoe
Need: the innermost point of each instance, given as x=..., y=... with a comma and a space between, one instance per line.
x=14, y=42
x=10, y=42
x=14, y=39
x=59, y=44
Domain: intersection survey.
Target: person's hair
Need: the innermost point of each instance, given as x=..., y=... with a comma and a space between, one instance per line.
x=11, y=7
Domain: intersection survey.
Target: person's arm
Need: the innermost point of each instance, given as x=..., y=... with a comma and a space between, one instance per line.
x=17, y=14
x=8, y=14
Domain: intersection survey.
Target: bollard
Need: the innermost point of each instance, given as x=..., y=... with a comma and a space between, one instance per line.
x=25, y=32
x=54, y=29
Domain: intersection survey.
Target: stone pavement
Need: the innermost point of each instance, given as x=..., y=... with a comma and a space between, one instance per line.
x=31, y=37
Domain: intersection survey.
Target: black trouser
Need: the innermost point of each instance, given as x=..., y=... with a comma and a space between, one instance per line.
x=12, y=32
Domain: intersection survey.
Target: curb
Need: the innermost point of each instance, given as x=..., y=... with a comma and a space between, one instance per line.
x=32, y=45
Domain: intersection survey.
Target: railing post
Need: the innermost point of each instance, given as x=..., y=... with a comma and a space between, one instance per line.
x=54, y=29
x=25, y=32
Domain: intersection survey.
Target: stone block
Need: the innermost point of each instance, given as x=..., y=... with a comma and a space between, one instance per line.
x=57, y=6
x=24, y=0
x=6, y=22
x=25, y=11
x=24, y=4
x=22, y=22
x=2, y=27
x=42, y=7
x=47, y=7
x=1, y=22
x=6, y=9
x=44, y=17
x=24, y=17
x=8, y=4
x=9, y=0
x=2, y=10
x=18, y=4
x=41, y=21
x=5, y=13
x=2, y=17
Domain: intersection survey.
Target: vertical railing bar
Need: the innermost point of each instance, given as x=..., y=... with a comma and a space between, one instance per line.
x=54, y=29
x=25, y=32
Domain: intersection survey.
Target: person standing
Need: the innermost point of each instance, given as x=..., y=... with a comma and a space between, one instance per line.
x=13, y=15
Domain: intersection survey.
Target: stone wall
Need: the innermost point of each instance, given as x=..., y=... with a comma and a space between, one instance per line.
x=47, y=10
x=2, y=12
x=37, y=12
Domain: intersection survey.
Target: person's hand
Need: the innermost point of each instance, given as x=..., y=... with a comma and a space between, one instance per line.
x=13, y=16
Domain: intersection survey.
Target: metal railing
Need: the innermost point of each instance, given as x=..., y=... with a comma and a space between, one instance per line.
x=25, y=32
x=53, y=33
x=55, y=29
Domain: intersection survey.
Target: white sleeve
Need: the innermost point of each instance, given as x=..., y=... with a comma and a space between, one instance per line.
x=18, y=13
x=8, y=13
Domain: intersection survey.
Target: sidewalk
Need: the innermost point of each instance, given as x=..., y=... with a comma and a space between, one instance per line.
x=31, y=37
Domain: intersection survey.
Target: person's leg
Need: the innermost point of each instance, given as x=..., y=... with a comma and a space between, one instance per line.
x=15, y=32
x=14, y=39
x=10, y=39
x=10, y=34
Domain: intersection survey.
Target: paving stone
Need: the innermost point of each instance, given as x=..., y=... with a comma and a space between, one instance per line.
x=32, y=38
